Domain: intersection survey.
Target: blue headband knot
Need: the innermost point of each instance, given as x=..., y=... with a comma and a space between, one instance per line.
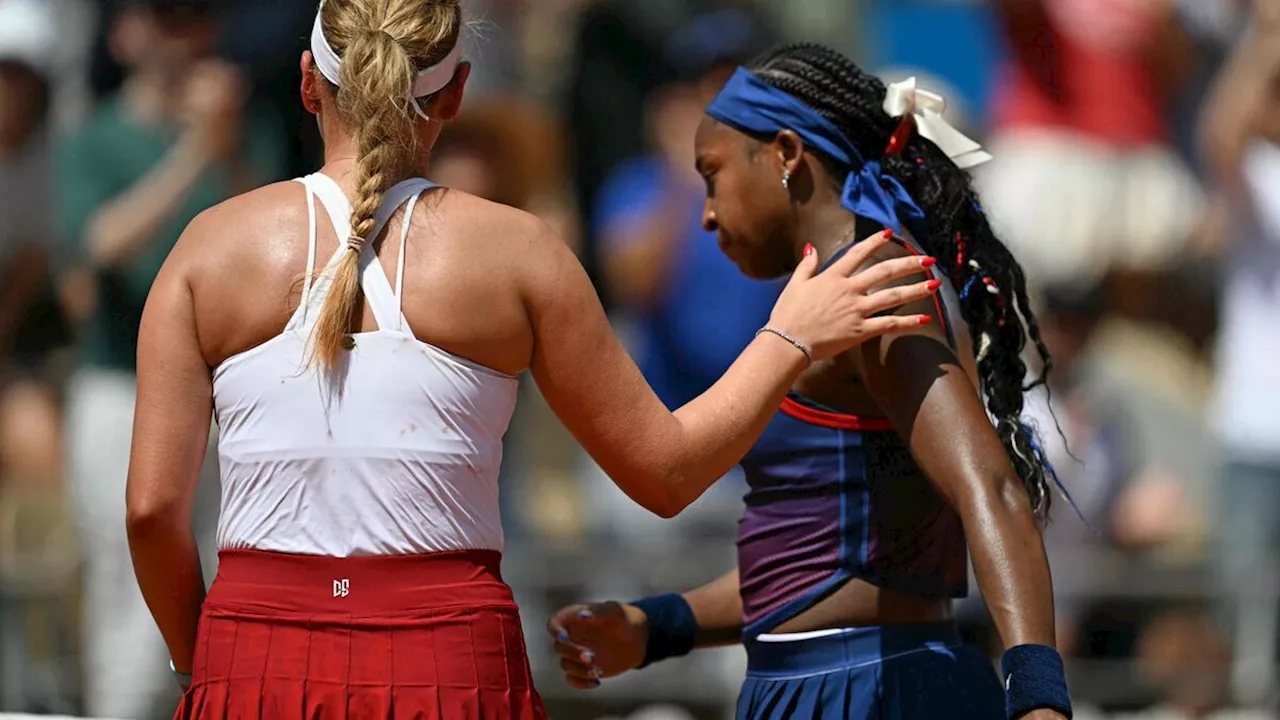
x=751, y=105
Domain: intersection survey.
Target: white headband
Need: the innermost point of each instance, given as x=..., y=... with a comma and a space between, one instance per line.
x=926, y=108
x=427, y=82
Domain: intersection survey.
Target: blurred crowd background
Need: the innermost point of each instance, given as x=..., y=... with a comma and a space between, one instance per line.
x=1136, y=175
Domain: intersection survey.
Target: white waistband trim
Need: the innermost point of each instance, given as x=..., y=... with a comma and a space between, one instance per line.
x=797, y=637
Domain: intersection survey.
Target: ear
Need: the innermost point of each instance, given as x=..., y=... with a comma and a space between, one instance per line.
x=310, y=86
x=448, y=102
x=789, y=150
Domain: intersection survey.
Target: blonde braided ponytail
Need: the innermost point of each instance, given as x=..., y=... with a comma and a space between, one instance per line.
x=383, y=44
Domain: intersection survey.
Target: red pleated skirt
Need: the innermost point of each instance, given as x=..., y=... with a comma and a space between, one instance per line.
x=288, y=637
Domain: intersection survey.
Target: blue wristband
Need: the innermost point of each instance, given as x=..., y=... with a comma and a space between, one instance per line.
x=1034, y=679
x=672, y=628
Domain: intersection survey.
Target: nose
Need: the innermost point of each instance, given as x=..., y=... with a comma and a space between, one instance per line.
x=709, y=217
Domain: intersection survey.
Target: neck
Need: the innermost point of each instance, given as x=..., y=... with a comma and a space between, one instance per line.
x=825, y=225
x=341, y=153
x=341, y=150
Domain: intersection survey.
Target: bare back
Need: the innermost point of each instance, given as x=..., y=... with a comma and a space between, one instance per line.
x=462, y=272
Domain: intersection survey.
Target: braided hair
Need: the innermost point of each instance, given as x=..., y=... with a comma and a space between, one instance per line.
x=383, y=44
x=989, y=280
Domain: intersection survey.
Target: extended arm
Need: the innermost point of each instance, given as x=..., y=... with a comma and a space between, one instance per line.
x=127, y=223
x=1236, y=103
x=665, y=460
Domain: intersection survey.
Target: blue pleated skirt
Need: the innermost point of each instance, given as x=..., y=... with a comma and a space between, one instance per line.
x=892, y=672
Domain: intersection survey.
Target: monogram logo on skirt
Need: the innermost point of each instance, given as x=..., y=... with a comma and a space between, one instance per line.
x=341, y=587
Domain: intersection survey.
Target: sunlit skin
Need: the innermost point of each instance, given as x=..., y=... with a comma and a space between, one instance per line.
x=920, y=382
x=482, y=281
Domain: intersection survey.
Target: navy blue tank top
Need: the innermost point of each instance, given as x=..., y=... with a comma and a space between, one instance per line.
x=834, y=497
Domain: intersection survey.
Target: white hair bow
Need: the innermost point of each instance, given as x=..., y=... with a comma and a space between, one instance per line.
x=925, y=108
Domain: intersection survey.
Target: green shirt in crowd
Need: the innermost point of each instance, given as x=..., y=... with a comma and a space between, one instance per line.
x=102, y=161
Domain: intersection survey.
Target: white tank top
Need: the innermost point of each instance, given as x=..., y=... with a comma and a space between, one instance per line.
x=401, y=456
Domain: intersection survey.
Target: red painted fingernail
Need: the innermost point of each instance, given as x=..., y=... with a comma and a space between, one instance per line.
x=888, y=233
x=928, y=262
x=934, y=285
x=808, y=250
x=925, y=319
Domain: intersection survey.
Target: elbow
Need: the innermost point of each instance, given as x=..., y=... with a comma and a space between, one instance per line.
x=996, y=500
x=666, y=503
x=667, y=509
x=150, y=518
x=662, y=496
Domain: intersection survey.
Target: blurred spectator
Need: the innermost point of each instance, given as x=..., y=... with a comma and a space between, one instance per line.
x=1084, y=179
x=35, y=553
x=1241, y=138
x=1181, y=655
x=265, y=40
x=64, y=56
x=30, y=324
x=619, y=59
x=693, y=308
x=1094, y=455
x=506, y=150
x=176, y=139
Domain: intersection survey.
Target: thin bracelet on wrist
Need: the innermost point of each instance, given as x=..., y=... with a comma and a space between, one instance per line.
x=184, y=679
x=786, y=336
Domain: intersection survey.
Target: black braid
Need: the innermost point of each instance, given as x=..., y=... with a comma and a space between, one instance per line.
x=992, y=288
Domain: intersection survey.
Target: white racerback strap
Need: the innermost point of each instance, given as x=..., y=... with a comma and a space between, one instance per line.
x=305, y=301
x=384, y=302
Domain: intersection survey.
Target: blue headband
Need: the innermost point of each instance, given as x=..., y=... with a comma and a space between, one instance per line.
x=751, y=105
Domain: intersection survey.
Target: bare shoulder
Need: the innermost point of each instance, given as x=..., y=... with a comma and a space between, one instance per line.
x=252, y=227
x=901, y=248
x=493, y=224
x=241, y=259
x=506, y=239
x=891, y=251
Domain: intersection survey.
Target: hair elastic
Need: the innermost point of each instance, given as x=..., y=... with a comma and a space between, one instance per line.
x=901, y=136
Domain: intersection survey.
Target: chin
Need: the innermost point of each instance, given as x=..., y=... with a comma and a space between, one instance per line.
x=763, y=271
x=753, y=261
x=755, y=273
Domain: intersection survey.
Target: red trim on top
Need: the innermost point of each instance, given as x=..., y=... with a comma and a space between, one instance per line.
x=937, y=303
x=838, y=421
